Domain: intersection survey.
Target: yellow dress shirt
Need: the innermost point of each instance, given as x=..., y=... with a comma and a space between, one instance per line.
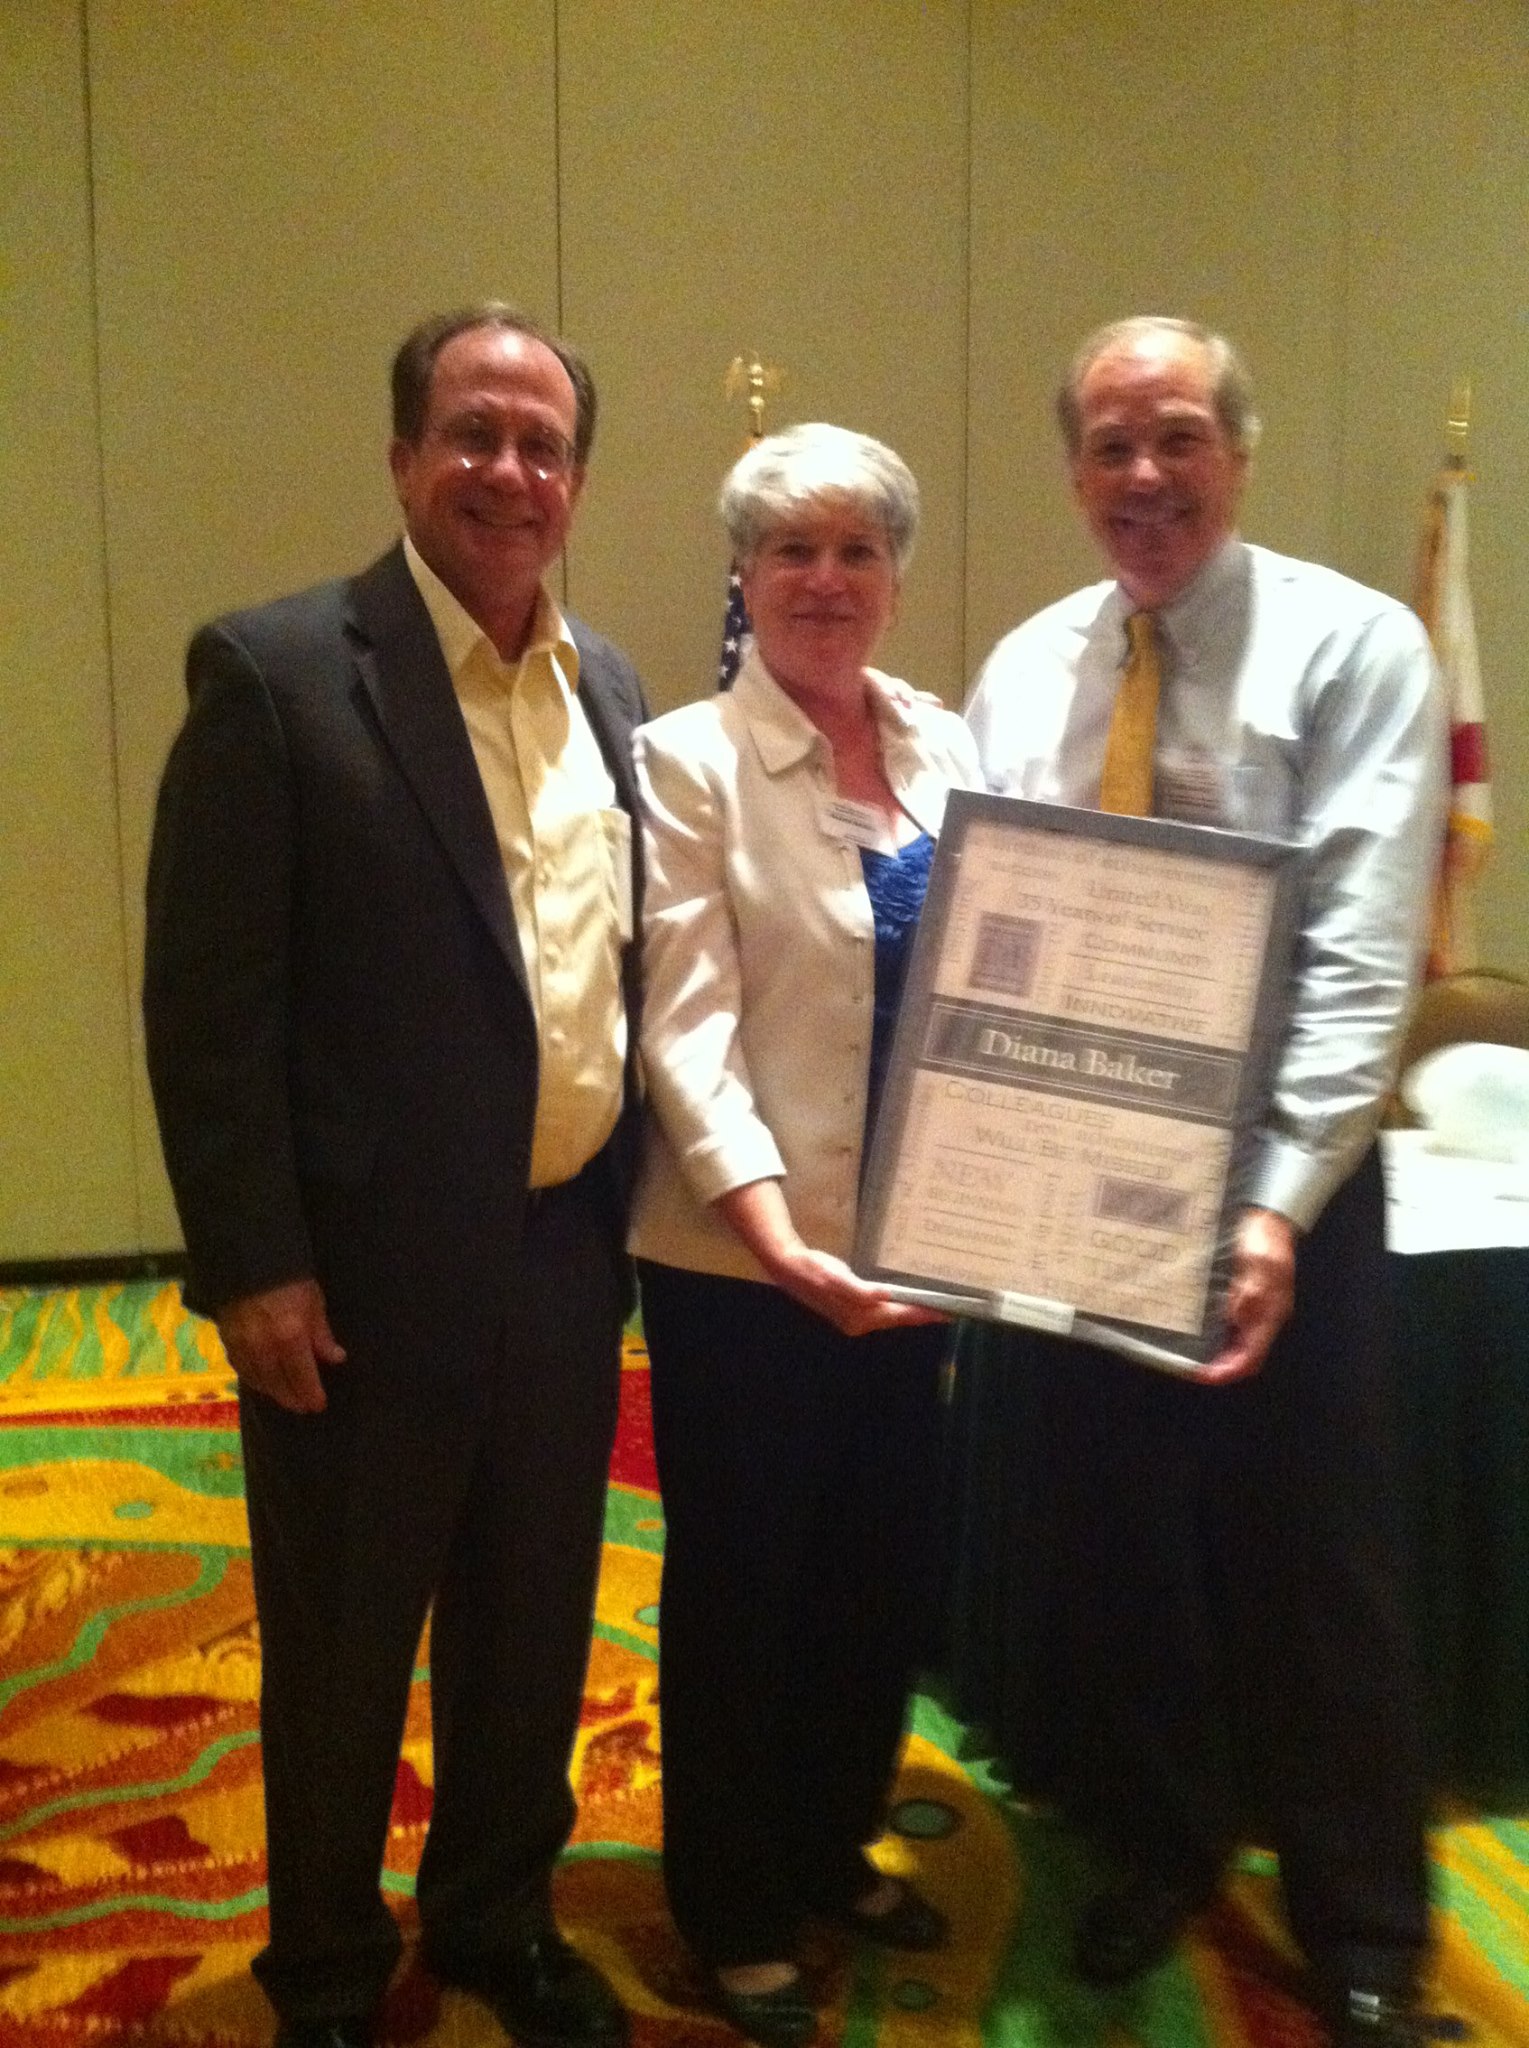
x=566, y=848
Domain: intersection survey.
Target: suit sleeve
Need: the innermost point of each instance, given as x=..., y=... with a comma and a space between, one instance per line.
x=216, y=980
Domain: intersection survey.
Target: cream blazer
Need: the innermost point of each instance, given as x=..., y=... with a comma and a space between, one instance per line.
x=759, y=960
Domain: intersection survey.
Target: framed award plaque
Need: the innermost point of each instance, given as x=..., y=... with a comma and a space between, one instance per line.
x=1086, y=1037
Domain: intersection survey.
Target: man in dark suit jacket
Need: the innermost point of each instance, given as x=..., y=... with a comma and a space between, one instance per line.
x=389, y=1006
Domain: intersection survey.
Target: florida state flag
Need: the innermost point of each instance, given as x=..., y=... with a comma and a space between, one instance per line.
x=1443, y=602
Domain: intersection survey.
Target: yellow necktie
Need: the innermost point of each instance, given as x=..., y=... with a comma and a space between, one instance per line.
x=1126, y=784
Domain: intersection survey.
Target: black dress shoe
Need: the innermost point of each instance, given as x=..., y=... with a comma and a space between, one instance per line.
x=910, y=1923
x=783, y=2018
x=542, y=1992
x=1131, y=1930
x=349, y=2030
x=1359, y=2018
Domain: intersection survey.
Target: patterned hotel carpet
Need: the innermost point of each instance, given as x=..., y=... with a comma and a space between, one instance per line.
x=131, y=1876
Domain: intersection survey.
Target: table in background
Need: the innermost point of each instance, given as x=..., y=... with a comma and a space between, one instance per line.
x=1462, y=1339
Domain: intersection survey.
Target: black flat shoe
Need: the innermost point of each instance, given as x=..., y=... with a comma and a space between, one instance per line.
x=783, y=2018
x=1128, y=1931
x=911, y=1923
x=1358, y=2018
x=541, y=1991
x=348, y=2030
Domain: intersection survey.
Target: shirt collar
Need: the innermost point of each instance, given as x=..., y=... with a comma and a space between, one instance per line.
x=461, y=636
x=1191, y=617
x=1193, y=610
x=783, y=732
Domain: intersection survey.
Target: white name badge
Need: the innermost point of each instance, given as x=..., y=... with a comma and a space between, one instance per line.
x=1191, y=786
x=855, y=824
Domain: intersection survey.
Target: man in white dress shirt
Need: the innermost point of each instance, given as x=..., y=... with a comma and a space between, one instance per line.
x=1237, y=1625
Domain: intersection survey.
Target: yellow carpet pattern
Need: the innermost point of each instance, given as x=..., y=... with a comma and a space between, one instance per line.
x=131, y=1872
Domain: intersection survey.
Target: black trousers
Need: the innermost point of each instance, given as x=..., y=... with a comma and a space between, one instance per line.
x=799, y=1472
x=1234, y=1649
x=474, y=1491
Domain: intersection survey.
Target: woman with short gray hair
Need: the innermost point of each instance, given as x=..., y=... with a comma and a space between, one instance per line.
x=788, y=830
x=785, y=472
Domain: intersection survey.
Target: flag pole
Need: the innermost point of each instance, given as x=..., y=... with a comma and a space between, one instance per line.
x=747, y=377
x=753, y=381
x=1457, y=426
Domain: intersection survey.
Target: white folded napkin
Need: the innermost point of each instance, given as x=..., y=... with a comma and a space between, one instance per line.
x=1473, y=1098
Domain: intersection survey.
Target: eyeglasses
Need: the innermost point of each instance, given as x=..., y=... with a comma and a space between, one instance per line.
x=478, y=443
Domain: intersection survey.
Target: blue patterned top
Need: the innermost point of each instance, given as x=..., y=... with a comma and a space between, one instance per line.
x=895, y=883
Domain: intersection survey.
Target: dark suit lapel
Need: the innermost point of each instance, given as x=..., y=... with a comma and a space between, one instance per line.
x=610, y=720
x=405, y=676
x=612, y=699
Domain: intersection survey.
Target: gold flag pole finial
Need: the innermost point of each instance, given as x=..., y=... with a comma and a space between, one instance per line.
x=1457, y=427
x=748, y=377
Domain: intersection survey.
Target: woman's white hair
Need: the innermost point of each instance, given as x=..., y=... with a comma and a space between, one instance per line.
x=807, y=464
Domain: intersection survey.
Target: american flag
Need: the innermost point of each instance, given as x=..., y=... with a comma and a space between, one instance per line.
x=735, y=627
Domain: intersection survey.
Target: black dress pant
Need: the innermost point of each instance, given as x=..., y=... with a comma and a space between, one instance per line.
x=1234, y=1642
x=799, y=1471
x=473, y=1490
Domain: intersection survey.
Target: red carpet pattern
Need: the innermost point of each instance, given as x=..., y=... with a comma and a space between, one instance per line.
x=131, y=1872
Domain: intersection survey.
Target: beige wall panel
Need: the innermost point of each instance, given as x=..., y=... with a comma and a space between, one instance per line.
x=276, y=188
x=282, y=187
x=790, y=179
x=66, y=1166
x=1148, y=156
x=1440, y=290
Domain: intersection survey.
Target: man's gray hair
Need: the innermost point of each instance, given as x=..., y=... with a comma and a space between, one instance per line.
x=803, y=465
x=1231, y=386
